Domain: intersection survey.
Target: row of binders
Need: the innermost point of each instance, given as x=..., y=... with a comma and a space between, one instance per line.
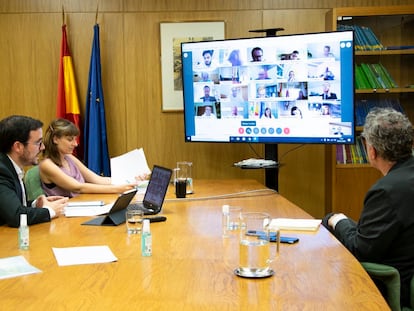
x=373, y=76
x=352, y=154
x=363, y=106
x=365, y=39
x=370, y=76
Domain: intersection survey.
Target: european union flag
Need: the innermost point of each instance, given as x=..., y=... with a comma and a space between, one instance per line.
x=95, y=138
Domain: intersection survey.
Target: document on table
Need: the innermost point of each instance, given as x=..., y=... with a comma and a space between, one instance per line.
x=82, y=255
x=86, y=203
x=127, y=166
x=293, y=224
x=87, y=210
x=15, y=266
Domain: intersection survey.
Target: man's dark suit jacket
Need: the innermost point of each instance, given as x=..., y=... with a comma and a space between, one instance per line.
x=329, y=96
x=11, y=205
x=211, y=99
x=385, y=231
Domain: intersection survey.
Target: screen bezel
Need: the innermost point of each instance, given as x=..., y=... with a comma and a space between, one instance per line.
x=345, y=83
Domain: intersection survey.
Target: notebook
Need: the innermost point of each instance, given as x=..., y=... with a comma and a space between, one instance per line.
x=291, y=224
x=156, y=191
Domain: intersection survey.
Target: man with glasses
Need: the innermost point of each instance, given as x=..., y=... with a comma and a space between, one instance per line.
x=20, y=146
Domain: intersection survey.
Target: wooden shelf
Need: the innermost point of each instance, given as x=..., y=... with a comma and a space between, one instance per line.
x=384, y=91
x=348, y=183
x=349, y=166
x=384, y=52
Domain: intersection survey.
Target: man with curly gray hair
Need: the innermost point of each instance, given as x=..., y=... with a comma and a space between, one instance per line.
x=385, y=231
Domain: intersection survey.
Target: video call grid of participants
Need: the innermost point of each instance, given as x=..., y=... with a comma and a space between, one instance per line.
x=237, y=82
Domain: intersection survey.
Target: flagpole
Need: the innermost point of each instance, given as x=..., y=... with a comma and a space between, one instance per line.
x=97, y=10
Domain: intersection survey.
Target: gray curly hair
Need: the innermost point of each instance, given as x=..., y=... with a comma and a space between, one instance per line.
x=390, y=133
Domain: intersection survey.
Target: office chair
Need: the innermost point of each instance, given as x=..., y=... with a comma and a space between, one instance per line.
x=32, y=183
x=390, y=278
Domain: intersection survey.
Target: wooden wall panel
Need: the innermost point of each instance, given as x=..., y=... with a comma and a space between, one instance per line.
x=310, y=20
x=113, y=45
x=130, y=54
x=55, y=6
x=27, y=53
x=191, y=5
x=315, y=4
x=32, y=6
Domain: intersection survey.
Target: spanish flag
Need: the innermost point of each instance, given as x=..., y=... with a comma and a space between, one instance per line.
x=67, y=97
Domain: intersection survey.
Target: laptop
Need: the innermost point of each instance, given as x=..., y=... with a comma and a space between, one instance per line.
x=151, y=204
x=156, y=191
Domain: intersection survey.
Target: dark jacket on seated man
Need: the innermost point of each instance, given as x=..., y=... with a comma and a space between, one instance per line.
x=11, y=205
x=385, y=231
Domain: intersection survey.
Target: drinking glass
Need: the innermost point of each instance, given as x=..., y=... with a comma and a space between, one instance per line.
x=134, y=218
x=254, y=244
x=185, y=169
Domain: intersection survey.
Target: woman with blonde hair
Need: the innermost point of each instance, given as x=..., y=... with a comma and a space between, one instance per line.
x=61, y=173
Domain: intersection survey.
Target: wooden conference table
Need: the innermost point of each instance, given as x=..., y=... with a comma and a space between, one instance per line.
x=192, y=265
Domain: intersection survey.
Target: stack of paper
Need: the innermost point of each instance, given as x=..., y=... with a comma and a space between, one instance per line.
x=127, y=166
x=293, y=224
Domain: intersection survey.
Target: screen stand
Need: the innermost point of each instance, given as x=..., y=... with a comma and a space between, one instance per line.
x=271, y=174
x=270, y=32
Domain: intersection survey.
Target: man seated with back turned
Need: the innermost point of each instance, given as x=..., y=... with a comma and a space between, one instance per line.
x=385, y=231
x=20, y=145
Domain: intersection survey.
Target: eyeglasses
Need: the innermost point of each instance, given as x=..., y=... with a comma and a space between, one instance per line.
x=37, y=143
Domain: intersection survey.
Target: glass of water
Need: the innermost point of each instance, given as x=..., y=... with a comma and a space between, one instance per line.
x=255, y=254
x=134, y=218
x=231, y=220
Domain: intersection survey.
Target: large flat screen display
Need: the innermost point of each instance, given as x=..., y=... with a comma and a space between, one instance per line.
x=285, y=89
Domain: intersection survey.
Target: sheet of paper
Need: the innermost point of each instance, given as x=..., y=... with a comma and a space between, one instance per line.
x=295, y=224
x=69, y=256
x=87, y=210
x=86, y=203
x=15, y=266
x=127, y=166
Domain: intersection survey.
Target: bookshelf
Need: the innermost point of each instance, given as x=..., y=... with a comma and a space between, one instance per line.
x=393, y=26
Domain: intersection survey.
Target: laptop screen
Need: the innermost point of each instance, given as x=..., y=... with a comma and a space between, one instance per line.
x=157, y=187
